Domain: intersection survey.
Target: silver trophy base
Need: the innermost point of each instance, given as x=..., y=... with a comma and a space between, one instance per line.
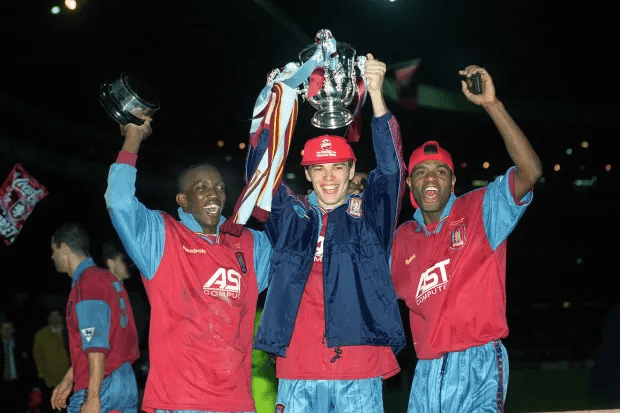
x=332, y=119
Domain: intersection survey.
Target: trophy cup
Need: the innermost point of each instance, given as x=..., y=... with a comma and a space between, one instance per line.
x=339, y=82
x=127, y=97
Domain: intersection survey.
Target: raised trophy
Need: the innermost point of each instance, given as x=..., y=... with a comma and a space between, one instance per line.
x=126, y=98
x=338, y=82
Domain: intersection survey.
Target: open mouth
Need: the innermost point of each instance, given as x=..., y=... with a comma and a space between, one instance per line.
x=213, y=209
x=431, y=194
x=329, y=189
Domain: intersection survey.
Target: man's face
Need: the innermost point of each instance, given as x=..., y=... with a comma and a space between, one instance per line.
x=330, y=182
x=55, y=319
x=60, y=258
x=431, y=183
x=118, y=267
x=203, y=196
x=6, y=330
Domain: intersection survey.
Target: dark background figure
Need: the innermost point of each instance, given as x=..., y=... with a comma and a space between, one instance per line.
x=605, y=379
x=115, y=258
x=51, y=356
x=16, y=368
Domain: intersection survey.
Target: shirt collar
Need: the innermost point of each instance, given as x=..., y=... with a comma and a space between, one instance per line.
x=88, y=262
x=417, y=215
x=190, y=222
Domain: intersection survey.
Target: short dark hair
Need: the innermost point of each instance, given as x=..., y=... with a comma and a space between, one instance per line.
x=112, y=248
x=186, y=171
x=74, y=235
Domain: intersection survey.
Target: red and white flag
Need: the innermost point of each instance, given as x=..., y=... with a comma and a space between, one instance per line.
x=19, y=193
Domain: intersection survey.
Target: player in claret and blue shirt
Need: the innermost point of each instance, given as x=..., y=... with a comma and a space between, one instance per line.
x=103, y=340
x=449, y=265
x=202, y=286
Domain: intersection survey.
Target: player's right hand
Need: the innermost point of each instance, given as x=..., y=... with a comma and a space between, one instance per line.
x=139, y=132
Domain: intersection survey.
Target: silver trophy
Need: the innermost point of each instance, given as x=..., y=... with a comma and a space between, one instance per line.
x=339, y=81
x=127, y=98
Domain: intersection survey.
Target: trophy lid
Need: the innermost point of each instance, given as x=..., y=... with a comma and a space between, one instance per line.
x=140, y=90
x=127, y=98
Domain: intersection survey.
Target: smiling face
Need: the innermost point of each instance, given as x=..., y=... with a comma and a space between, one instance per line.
x=330, y=182
x=431, y=183
x=203, y=196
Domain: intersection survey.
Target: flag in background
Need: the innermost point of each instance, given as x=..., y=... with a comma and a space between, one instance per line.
x=399, y=85
x=19, y=193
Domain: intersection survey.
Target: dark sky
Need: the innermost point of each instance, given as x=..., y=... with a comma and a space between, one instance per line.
x=207, y=61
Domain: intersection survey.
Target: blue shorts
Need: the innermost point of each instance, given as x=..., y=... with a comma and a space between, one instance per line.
x=187, y=411
x=330, y=396
x=473, y=380
x=119, y=391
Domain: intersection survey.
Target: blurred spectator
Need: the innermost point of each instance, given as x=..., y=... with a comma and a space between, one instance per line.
x=16, y=369
x=116, y=260
x=605, y=379
x=51, y=356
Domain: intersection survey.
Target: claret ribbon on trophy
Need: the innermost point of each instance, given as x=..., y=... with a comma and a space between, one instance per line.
x=275, y=113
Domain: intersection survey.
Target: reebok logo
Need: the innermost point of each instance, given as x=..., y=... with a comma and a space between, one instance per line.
x=194, y=250
x=408, y=261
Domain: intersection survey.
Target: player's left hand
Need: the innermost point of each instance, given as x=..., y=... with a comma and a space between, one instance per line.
x=488, y=89
x=374, y=74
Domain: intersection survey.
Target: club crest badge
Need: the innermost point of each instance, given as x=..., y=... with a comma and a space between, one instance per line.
x=241, y=261
x=458, y=238
x=355, y=207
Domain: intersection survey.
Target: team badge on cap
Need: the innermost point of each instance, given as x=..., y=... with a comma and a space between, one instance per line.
x=327, y=149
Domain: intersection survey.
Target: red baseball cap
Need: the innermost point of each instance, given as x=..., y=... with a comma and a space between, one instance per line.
x=327, y=149
x=428, y=151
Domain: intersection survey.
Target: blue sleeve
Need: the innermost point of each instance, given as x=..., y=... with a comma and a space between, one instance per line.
x=94, y=324
x=140, y=229
x=501, y=212
x=386, y=183
x=262, y=257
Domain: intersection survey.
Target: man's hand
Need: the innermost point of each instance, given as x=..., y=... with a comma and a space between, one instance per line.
x=91, y=405
x=375, y=73
x=134, y=134
x=61, y=392
x=488, y=89
x=133, y=131
x=358, y=183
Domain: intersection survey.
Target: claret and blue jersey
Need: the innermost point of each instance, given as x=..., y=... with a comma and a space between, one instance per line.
x=203, y=291
x=452, y=275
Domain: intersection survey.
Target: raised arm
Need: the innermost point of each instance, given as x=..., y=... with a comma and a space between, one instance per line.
x=375, y=73
x=140, y=229
x=386, y=183
x=529, y=168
